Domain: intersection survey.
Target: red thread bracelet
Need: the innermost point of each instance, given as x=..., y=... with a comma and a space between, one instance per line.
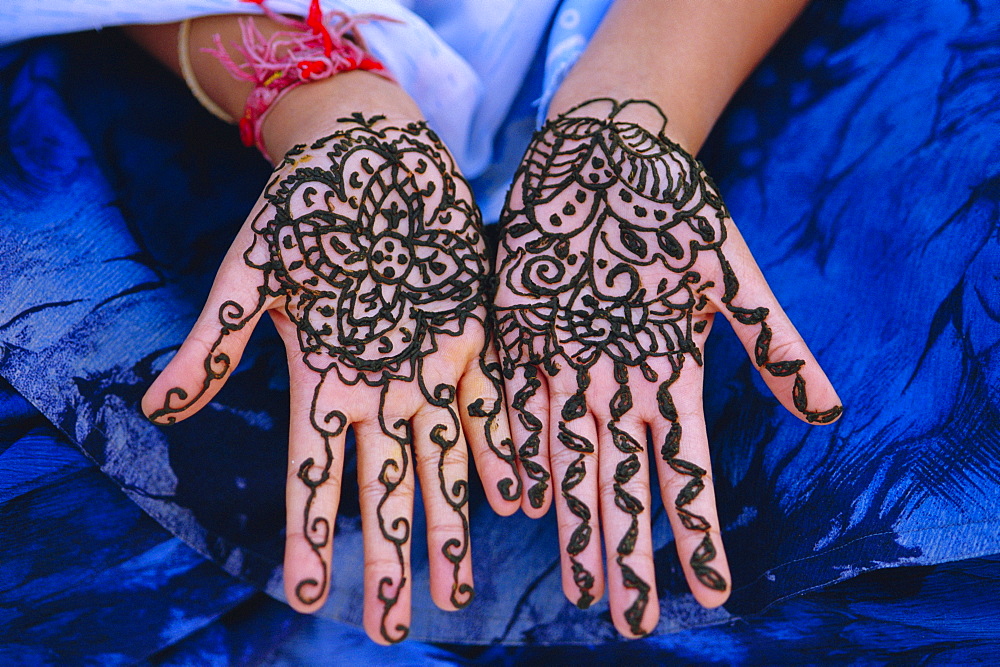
x=309, y=51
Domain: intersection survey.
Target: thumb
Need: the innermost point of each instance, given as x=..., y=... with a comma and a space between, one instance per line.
x=215, y=344
x=769, y=337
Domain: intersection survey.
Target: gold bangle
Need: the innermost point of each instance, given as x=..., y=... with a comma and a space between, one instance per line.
x=187, y=71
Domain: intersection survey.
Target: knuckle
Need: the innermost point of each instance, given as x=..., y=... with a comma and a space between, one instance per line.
x=560, y=392
x=455, y=461
x=442, y=528
x=562, y=457
x=383, y=564
x=371, y=491
x=784, y=349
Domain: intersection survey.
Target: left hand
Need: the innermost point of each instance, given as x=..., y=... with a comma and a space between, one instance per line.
x=616, y=252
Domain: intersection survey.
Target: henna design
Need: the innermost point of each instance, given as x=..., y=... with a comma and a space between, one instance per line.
x=317, y=529
x=529, y=450
x=232, y=317
x=510, y=487
x=458, y=495
x=626, y=502
x=398, y=533
x=371, y=242
x=613, y=236
x=575, y=408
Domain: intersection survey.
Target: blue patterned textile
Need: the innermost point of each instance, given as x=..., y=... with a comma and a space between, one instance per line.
x=85, y=573
x=139, y=595
x=861, y=162
x=905, y=616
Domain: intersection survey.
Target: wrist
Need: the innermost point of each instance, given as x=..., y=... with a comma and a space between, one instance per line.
x=313, y=110
x=686, y=126
x=301, y=113
x=686, y=56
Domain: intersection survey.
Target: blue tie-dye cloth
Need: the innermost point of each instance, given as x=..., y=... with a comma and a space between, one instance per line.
x=861, y=161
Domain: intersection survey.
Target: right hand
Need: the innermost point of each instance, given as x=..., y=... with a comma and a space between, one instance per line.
x=366, y=250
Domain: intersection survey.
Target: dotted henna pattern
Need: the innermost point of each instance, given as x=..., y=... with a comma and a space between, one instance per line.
x=371, y=243
x=612, y=236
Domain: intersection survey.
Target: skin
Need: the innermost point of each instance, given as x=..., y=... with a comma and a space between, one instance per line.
x=686, y=58
x=581, y=428
x=415, y=377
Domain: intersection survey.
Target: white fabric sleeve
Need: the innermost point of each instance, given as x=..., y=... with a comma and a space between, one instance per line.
x=442, y=82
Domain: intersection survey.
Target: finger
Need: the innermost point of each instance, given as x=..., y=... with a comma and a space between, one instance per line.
x=527, y=399
x=484, y=422
x=573, y=456
x=216, y=342
x=770, y=338
x=625, y=501
x=443, y=467
x=386, y=488
x=315, y=464
x=685, y=471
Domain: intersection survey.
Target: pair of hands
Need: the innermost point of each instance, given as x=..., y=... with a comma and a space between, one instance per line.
x=366, y=249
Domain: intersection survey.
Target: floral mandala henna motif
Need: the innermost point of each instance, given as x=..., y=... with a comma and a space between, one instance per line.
x=371, y=243
x=612, y=237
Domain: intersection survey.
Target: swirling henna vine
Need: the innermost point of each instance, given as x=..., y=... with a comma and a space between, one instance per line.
x=392, y=474
x=531, y=423
x=613, y=237
x=705, y=551
x=457, y=496
x=317, y=529
x=625, y=501
x=509, y=487
x=372, y=244
x=762, y=351
x=232, y=317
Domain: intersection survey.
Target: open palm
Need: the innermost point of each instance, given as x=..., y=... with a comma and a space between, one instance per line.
x=366, y=250
x=616, y=252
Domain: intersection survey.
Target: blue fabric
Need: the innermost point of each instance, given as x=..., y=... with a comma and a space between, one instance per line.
x=85, y=573
x=904, y=616
x=575, y=22
x=137, y=594
x=861, y=165
x=860, y=162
